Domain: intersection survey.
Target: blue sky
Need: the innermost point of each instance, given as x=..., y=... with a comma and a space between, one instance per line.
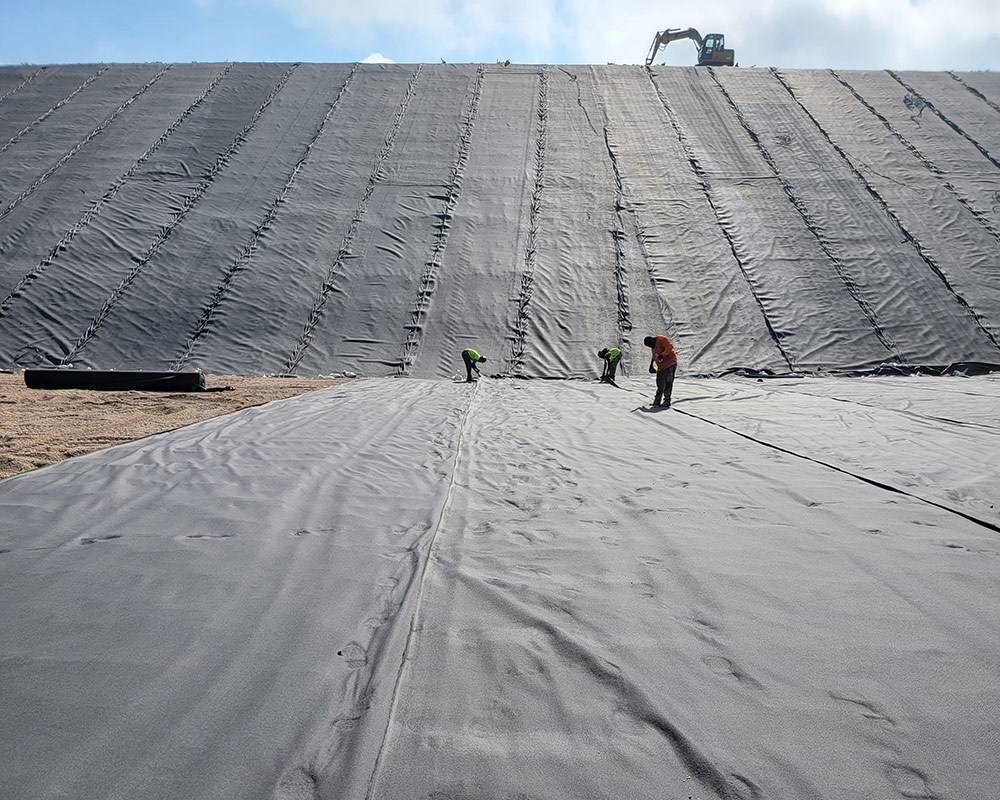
x=845, y=34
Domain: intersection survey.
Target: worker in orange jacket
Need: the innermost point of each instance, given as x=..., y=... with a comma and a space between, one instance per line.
x=664, y=364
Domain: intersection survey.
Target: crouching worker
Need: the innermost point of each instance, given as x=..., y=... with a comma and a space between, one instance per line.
x=471, y=358
x=611, y=356
x=664, y=365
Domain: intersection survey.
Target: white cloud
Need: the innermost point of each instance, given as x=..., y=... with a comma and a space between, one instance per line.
x=914, y=34
x=454, y=28
x=905, y=34
x=109, y=52
x=377, y=58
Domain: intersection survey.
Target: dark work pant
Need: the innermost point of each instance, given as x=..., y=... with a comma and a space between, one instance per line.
x=611, y=366
x=665, y=384
x=468, y=365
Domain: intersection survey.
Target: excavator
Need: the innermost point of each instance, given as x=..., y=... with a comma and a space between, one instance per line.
x=712, y=50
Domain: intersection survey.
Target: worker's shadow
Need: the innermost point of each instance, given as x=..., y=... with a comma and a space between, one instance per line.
x=652, y=409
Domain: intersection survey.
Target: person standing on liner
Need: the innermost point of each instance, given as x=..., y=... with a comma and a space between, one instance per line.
x=611, y=356
x=664, y=364
x=471, y=358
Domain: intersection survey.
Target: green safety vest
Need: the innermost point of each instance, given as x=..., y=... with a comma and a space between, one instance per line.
x=472, y=354
x=614, y=352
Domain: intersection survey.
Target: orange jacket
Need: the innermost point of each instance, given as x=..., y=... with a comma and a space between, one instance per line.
x=663, y=353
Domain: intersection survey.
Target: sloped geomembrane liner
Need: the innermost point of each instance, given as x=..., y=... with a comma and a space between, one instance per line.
x=376, y=219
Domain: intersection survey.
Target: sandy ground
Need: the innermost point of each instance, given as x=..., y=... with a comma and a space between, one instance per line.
x=39, y=427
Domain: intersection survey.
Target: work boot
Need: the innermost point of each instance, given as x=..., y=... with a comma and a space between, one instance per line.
x=656, y=400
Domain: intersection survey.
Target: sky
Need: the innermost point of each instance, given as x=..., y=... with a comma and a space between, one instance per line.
x=961, y=35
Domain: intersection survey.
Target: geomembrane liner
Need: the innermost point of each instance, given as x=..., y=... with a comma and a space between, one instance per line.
x=376, y=219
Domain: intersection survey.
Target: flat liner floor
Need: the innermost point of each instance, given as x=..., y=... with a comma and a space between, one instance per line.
x=411, y=588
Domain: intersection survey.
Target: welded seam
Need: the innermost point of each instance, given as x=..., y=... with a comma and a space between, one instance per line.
x=856, y=292
x=624, y=309
x=250, y=247
x=80, y=145
x=516, y=361
x=27, y=128
x=378, y=172
x=428, y=279
x=187, y=203
x=98, y=204
x=421, y=583
x=924, y=160
x=891, y=215
x=23, y=83
x=336, y=754
x=871, y=481
x=944, y=118
x=624, y=315
x=976, y=92
x=624, y=206
x=888, y=410
x=706, y=187
x=621, y=208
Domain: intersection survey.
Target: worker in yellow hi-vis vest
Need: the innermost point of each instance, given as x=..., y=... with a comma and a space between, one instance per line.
x=611, y=356
x=471, y=358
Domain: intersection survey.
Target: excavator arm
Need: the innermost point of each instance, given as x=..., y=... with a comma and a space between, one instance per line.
x=663, y=38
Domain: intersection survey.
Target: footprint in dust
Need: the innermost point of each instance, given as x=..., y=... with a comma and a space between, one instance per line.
x=910, y=782
x=721, y=665
x=963, y=549
x=96, y=539
x=705, y=630
x=704, y=623
x=524, y=535
x=354, y=655
x=744, y=788
x=310, y=531
x=868, y=710
x=298, y=783
x=642, y=589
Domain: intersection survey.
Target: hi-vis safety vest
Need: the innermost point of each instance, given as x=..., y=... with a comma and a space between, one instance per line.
x=473, y=354
x=613, y=353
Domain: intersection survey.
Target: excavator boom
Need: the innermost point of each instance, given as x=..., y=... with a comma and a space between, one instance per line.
x=663, y=38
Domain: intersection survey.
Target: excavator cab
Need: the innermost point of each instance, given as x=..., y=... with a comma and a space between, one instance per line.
x=713, y=52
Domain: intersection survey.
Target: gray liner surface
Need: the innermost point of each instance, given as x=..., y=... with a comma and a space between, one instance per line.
x=419, y=588
x=376, y=219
